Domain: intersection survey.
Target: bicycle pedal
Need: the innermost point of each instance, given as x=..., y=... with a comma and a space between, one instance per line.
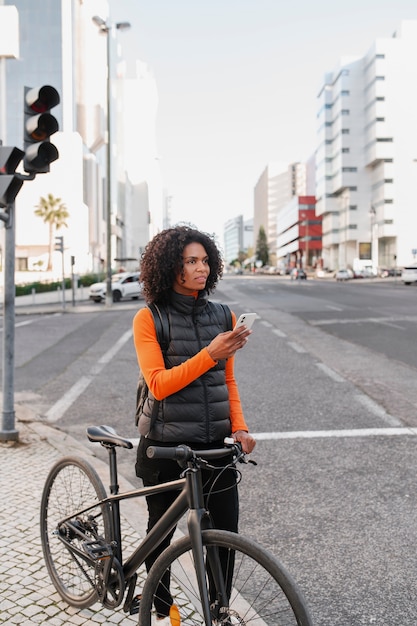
x=98, y=550
x=134, y=606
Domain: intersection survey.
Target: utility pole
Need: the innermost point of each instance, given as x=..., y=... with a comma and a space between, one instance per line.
x=37, y=155
x=108, y=29
x=8, y=431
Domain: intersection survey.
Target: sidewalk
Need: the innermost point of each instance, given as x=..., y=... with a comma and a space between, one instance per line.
x=52, y=302
x=27, y=595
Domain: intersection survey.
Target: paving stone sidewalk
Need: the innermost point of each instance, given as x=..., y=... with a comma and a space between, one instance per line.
x=27, y=595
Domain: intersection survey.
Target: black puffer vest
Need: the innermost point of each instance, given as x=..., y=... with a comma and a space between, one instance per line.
x=198, y=413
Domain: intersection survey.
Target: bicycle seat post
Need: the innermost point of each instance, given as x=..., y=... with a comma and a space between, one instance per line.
x=115, y=507
x=114, y=487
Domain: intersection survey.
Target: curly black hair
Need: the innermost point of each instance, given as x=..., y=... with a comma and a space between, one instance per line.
x=162, y=261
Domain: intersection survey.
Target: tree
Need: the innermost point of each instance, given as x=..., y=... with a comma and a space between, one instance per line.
x=54, y=213
x=262, y=248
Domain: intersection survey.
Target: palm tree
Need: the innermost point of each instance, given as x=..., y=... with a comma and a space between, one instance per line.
x=54, y=213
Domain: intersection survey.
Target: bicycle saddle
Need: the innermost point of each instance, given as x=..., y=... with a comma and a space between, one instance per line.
x=106, y=435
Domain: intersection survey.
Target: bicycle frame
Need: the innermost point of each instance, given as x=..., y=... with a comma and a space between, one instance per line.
x=189, y=499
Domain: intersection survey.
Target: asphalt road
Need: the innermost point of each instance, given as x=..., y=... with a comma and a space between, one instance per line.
x=328, y=384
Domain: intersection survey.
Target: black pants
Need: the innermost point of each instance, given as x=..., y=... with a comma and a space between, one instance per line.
x=223, y=502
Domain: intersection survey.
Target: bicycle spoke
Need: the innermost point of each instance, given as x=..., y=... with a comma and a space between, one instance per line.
x=262, y=592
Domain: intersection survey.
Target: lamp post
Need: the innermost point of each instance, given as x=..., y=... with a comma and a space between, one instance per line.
x=372, y=216
x=107, y=29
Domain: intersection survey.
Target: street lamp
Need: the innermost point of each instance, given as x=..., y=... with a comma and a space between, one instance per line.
x=372, y=216
x=107, y=29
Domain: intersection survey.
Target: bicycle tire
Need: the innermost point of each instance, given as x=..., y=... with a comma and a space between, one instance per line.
x=263, y=592
x=71, y=485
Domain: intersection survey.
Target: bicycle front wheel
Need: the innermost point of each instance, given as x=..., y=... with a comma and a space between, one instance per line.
x=72, y=485
x=262, y=592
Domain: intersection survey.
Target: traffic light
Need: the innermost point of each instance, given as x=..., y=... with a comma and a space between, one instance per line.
x=9, y=183
x=59, y=244
x=39, y=125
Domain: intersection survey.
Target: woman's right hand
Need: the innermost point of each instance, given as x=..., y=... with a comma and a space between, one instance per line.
x=226, y=344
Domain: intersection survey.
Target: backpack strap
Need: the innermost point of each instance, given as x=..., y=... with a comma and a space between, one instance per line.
x=161, y=321
x=227, y=316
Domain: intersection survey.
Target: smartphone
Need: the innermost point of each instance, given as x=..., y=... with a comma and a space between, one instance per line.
x=246, y=319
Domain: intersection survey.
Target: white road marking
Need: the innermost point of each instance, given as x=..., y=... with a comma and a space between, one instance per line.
x=279, y=333
x=365, y=320
x=331, y=373
x=377, y=410
x=328, y=434
x=320, y=434
x=297, y=347
x=62, y=405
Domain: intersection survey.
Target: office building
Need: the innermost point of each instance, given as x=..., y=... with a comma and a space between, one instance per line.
x=60, y=45
x=299, y=237
x=366, y=160
x=238, y=237
x=276, y=186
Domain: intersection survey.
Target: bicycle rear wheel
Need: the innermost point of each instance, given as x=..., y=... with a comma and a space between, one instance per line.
x=263, y=592
x=72, y=485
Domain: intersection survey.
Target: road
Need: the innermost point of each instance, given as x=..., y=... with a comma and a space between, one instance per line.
x=328, y=384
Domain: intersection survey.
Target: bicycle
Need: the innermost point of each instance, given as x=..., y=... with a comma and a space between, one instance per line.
x=216, y=577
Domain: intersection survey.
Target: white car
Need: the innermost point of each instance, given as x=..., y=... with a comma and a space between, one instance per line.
x=123, y=285
x=343, y=274
x=409, y=275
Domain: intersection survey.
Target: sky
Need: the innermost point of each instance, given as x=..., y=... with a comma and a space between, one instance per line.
x=237, y=87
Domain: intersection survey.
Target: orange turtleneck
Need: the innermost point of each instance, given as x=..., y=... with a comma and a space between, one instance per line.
x=163, y=382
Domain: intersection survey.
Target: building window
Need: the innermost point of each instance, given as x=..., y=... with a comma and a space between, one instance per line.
x=345, y=131
x=21, y=264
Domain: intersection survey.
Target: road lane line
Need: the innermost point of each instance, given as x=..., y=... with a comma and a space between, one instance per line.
x=297, y=347
x=57, y=410
x=377, y=410
x=279, y=333
x=320, y=434
x=329, y=434
x=331, y=373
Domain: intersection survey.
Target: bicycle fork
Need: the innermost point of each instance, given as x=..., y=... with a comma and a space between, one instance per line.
x=209, y=572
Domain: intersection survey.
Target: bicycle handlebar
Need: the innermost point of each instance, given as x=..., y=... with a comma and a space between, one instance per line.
x=185, y=453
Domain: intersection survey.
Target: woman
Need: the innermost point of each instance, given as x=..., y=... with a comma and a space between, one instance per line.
x=195, y=384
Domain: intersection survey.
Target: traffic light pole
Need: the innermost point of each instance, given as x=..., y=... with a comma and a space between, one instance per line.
x=8, y=431
x=39, y=125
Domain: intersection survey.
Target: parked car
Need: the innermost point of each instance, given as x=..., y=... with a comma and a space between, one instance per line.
x=409, y=275
x=123, y=285
x=343, y=275
x=298, y=274
x=393, y=271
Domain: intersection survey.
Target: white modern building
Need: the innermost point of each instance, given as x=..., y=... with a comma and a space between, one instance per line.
x=366, y=160
x=278, y=183
x=61, y=45
x=238, y=237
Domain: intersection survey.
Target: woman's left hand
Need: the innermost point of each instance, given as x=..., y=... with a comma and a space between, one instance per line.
x=245, y=439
